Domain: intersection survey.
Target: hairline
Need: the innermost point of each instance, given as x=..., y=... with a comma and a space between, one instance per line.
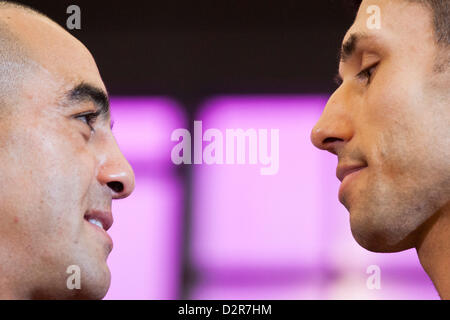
x=442, y=57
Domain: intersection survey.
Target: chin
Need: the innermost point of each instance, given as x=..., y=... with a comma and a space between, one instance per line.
x=377, y=242
x=92, y=288
x=379, y=235
x=91, y=291
x=95, y=281
x=96, y=285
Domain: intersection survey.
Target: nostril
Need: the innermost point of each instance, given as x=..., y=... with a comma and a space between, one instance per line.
x=330, y=140
x=116, y=186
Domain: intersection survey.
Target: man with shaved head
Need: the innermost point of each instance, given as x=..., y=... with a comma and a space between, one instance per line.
x=389, y=125
x=60, y=164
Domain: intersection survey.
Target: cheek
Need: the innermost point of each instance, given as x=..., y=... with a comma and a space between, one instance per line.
x=384, y=133
x=47, y=177
x=397, y=126
x=388, y=102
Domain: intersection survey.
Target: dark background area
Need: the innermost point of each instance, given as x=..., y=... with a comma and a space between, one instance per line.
x=193, y=49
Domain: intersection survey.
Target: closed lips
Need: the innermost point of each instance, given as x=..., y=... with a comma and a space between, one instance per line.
x=343, y=171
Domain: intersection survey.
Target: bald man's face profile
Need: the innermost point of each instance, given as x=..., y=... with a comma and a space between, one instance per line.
x=61, y=166
x=388, y=124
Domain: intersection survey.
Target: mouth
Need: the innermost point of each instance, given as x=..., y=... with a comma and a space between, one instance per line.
x=101, y=221
x=345, y=170
x=347, y=174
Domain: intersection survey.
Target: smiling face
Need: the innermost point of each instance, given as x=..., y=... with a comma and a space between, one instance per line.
x=388, y=123
x=60, y=167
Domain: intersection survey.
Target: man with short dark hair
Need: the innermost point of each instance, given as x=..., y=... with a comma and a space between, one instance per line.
x=388, y=123
x=60, y=164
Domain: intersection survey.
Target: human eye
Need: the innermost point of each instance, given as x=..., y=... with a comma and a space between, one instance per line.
x=366, y=74
x=89, y=118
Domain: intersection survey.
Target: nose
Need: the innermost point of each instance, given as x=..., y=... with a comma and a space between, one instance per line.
x=116, y=173
x=334, y=128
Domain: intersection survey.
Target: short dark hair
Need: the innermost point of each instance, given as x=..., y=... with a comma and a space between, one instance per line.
x=441, y=18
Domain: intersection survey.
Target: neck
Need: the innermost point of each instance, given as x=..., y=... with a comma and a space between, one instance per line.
x=433, y=250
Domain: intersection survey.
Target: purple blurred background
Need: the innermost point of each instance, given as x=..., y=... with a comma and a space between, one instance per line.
x=227, y=232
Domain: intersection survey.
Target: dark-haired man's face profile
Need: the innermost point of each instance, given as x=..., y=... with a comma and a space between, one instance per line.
x=388, y=123
x=61, y=166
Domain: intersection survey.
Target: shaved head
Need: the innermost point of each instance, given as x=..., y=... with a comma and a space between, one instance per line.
x=61, y=166
x=14, y=63
x=22, y=49
x=15, y=59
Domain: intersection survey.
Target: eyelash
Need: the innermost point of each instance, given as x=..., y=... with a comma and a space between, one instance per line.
x=367, y=73
x=90, y=118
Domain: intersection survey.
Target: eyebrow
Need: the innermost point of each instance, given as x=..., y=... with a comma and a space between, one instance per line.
x=349, y=47
x=84, y=92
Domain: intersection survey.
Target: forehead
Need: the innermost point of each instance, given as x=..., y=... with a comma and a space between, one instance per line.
x=52, y=48
x=404, y=23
